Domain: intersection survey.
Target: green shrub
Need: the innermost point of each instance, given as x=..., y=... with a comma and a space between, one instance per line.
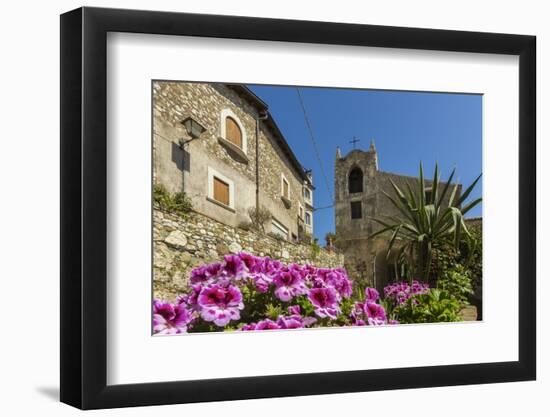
x=305, y=237
x=435, y=306
x=468, y=257
x=315, y=249
x=177, y=203
x=458, y=283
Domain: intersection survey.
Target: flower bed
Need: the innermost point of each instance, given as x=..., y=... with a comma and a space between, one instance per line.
x=246, y=292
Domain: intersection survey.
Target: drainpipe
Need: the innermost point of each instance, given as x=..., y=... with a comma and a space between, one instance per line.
x=261, y=116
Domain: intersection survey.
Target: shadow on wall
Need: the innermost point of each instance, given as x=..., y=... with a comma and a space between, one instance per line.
x=181, y=158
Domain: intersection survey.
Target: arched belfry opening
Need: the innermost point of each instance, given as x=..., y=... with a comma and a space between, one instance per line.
x=355, y=180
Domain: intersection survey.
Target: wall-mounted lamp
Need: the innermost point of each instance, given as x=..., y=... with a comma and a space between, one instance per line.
x=193, y=128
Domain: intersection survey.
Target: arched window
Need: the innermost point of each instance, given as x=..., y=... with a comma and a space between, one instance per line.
x=233, y=132
x=355, y=181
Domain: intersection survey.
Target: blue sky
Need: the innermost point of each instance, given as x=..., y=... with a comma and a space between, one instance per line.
x=407, y=127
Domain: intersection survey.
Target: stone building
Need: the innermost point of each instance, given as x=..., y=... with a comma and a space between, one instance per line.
x=359, y=196
x=219, y=144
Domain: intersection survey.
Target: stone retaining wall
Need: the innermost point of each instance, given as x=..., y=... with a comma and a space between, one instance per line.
x=181, y=244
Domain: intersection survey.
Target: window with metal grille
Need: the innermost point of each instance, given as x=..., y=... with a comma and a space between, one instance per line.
x=278, y=229
x=221, y=191
x=356, y=210
x=233, y=132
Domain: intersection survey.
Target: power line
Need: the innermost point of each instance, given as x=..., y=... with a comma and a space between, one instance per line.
x=310, y=130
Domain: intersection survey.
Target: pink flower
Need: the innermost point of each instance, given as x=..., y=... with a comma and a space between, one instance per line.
x=371, y=294
x=336, y=278
x=248, y=327
x=220, y=304
x=233, y=267
x=169, y=318
x=325, y=302
x=205, y=273
x=375, y=311
x=267, y=324
x=358, y=322
x=294, y=310
x=400, y=292
x=290, y=322
x=191, y=299
x=289, y=284
x=251, y=262
x=368, y=313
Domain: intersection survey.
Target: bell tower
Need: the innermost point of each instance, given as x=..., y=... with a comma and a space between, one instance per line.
x=356, y=199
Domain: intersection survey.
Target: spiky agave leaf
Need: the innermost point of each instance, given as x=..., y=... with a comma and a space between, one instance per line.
x=426, y=223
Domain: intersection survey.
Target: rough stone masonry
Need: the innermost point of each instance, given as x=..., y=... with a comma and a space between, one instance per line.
x=180, y=244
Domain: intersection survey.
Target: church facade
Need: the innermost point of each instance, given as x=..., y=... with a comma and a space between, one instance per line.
x=359, y=197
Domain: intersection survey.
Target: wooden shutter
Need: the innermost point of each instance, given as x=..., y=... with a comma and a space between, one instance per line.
x=233, y=132
x=221, y=191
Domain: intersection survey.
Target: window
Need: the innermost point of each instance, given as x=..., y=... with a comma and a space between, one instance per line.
x=355, y=181
x=285, y=190
x=356, y=210
x=278, y=229
x=233, y=132
x=307, y=194
x=221, y=191
x=301, y=212
x=308, y=218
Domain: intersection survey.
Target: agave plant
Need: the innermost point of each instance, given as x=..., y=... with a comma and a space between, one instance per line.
x=427, y=220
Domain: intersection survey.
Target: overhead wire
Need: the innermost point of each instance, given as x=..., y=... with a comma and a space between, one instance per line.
x=315, y=148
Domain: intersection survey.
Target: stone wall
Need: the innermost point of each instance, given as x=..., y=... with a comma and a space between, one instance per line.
x=181, y=244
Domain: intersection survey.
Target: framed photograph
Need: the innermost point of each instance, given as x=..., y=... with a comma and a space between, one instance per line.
x=257, y=208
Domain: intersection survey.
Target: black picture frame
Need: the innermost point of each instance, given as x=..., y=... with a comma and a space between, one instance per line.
x=84, y=207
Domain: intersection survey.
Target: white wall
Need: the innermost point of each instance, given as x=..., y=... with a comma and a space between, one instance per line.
x=29, y=213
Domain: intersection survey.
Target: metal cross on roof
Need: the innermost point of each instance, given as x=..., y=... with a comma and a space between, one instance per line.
x=354, y=141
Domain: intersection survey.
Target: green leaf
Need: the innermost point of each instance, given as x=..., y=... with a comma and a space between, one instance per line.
x=466, y=193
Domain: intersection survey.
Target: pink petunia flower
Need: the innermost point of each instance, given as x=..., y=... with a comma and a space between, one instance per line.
x=371, y=294
x=220, y=304
x=375, y=311
x=233, y=267
x=267, y=324
x=289, y=284
x=170, y=318
x=324, y=301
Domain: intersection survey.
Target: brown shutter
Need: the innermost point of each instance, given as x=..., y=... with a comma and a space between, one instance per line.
x=221, y=191
x=233, y=132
